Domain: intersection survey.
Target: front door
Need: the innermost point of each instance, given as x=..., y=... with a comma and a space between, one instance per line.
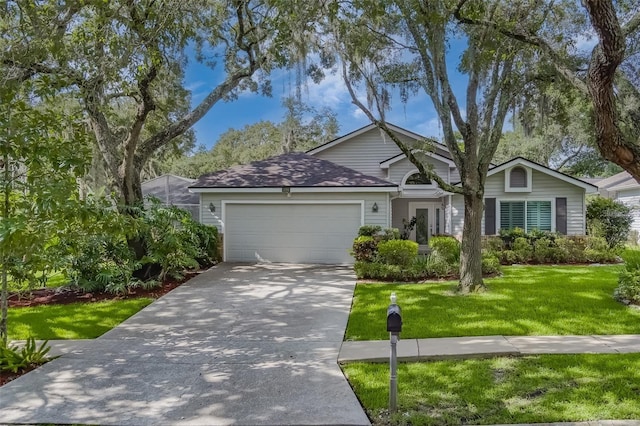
x=428, y=221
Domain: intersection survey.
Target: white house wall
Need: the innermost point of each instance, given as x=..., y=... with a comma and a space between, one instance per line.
x=381, y=217
x=631, y=197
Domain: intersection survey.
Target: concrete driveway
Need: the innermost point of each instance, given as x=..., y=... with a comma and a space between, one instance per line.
x=239, y=344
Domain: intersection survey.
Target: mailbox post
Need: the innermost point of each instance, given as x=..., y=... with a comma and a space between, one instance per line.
x=394, y=327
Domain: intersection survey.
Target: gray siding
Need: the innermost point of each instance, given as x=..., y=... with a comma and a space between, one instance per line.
x=543, y=187
x=397, y=171
x=364, y=152
x=631, y=197
x=381, y=217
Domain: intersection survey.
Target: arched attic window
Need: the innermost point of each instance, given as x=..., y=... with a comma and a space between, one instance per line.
x=518, y=178
x=417, y=179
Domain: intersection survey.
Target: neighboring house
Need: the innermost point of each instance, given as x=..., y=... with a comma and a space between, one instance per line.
x=624, y=188
x=173, y=190
x=308, y=207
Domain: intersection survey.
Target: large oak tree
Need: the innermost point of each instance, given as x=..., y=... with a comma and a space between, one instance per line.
x=124, y=62
x=409, y=46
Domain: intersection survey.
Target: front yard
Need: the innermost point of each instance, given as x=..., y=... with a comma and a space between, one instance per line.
x=526, y=300
x=545, y=388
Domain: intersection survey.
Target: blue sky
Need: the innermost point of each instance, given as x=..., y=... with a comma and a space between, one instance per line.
x=417, y=115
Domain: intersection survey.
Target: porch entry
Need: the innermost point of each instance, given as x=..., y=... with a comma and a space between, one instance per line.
x=429, y=221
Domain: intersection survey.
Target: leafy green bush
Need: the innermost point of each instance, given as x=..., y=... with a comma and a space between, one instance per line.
x=598, y=250
x=389, y=234
x=628, y=289
x=608, y=219
x=446, y=246
x=365, y=249
x=382, y=271
x=509, y=236
x=493, y=244
x=435, y=265
x=398, y=252
x=545, y=250
x=522, y=249
x=572, y=249
x=369, y=230
x=490, y=264
x=14, y=358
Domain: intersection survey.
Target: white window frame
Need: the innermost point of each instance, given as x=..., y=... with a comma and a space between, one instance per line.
x=525, y=200
x=411, y=173
x=507, y=179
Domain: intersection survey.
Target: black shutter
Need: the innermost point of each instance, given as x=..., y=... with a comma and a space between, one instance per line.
x=489, y=216
x=561, y=216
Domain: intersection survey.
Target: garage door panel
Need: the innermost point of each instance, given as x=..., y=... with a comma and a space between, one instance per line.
x=300, y=233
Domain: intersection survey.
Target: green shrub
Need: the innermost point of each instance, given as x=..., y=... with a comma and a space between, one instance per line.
x=493, y=244
x=14, y=358
x=389, y=234
x=628, y=290
x=437, y=266
x=608, y=219
x=572, y=249
x=509, y=236
x=490, y=264
x=369, y=230
x=631, y=260
x=522, y=249
x=446, y=246
x=398, y=252
x=365, y=249
x=545, y=250
x=597, y=250
x=382, y=271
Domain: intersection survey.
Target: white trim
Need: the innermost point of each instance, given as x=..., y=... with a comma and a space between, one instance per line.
x=400, y=157
x=552, y=201
x=589, y=188
x=369, y=127
x=507, y=179
x=403, y=182
x=294, y=189
x=224, y=203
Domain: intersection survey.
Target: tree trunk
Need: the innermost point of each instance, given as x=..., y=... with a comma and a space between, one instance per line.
x=471, y=250
x=131, y=187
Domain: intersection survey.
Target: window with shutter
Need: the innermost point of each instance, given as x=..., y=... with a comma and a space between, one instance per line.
x=512, y=214
x=539, y=215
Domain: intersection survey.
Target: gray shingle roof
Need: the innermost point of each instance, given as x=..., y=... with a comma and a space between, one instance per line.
x=293, y=170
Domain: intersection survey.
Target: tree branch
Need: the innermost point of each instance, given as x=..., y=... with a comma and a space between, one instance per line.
x=408, y=152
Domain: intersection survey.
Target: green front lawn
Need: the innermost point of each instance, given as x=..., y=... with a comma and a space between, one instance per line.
x=545, y=388
x=526, y=300
x=73, y=321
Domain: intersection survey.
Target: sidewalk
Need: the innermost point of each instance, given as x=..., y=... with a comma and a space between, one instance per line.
x=486, y=346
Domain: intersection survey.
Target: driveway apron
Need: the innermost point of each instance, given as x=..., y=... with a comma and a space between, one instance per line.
x=239, y=344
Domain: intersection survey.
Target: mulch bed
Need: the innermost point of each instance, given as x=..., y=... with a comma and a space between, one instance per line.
x=66, y=295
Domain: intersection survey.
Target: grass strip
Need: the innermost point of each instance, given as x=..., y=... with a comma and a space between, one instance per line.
x=72, y=321
x=535, y=389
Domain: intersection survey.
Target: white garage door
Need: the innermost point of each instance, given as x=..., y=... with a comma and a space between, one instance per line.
x=294, y=233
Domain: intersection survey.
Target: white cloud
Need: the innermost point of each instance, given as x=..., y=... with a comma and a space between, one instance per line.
x=330, y=92
x=430, y=128
x=585, y=42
